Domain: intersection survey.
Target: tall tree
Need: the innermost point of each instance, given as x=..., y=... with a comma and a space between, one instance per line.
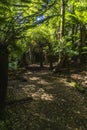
x=14, y=18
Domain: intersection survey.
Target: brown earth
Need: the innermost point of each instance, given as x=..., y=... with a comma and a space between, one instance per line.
x=37, y=99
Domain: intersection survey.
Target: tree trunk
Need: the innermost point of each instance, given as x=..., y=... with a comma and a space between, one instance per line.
x=73, y=27
x=62, y=33
x=82, y=39
x=3, y=74
x=62, y=29
x=50, y=57
x=41, y=56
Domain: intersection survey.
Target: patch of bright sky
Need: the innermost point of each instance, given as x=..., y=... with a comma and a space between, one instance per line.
x=40, y=18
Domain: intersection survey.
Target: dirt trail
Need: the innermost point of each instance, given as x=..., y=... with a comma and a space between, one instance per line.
x=55, y=104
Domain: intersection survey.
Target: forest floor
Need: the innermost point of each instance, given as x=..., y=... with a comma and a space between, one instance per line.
x=37, y=99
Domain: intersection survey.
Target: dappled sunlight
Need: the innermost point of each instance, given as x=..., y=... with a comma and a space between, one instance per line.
x=34, y=78
x=80, y=78
x=41, y=94
x=63, y=80
x=43, y=65
x=29, y=89
x=43, y=82
x=47, y=99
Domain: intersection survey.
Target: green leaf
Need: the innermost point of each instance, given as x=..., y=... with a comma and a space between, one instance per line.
x=80, y=88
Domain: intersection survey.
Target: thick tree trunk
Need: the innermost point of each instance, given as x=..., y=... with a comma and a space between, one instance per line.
x=3, y=74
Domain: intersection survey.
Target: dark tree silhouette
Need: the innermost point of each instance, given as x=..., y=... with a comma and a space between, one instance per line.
x=3, y=74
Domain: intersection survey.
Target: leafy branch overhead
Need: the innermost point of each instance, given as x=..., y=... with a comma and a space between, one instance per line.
x=63, y=21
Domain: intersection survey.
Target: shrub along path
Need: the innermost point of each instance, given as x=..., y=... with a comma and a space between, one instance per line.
x=40, y=100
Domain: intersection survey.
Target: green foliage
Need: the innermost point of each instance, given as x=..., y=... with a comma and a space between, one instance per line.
x=15, y=53
x=77, y=86
x=84, y=50
x=18, y=21
x=64, y=47
x=2, y=125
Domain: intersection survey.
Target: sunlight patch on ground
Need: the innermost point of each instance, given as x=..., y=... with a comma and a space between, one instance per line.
x=34, y=78
x=29, y=89
x=43, y=82
x=81, y=79
x=64, y=81
x=41, y=94
x=28, y=73
x=46, y=96
x=37, y=94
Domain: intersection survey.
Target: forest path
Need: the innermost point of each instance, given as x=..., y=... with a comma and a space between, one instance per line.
x=54, y=103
